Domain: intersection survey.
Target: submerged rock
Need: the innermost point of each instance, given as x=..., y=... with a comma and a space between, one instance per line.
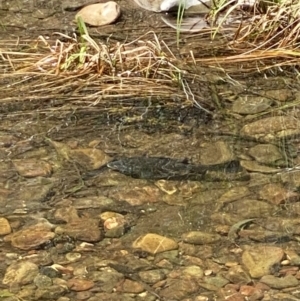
x=259, y=260
x=277, y=194
x=251, y=104
x=200, y=238
x=21, y=273
x=267, y=154
x=280, y=283
x=79, y=285
x=4, y=226
x=81, y=229
x=270, y=128
x=154, y=243
x=33, y=236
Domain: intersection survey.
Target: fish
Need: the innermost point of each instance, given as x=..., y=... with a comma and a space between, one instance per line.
x=168, y=168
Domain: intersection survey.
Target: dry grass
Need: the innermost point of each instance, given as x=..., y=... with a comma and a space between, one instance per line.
x=265, y=39
x=276, y=27
x=87, y=73
x=68, y=56
x=90, y=71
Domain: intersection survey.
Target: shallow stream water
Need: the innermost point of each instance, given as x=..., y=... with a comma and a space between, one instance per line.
x=74, y=228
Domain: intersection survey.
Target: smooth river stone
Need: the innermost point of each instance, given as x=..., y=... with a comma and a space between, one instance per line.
x=259, y=260
x=237, y=274
x=280, y=283
x=193, y=271
x=154, y=243
x=284, y=225
x=4, y=226
x=100, y=14
x=251, y=104
x=200, y=238
x=214, y=283
x=180, y=289
x=152, y=276
x=78, y=285
x=254, y=166
x=216, y=153
x=42, y=281
x=266, y=153
x=137, y=195
x=20, y=273
x=84, y=229
x=32, y=236
x=234, y=194
x=90, y=158
x=248, y=208
x=130, y=287
x=277, y=194
x=31, y=239
x=280, y=94
x=291, y=178
x=53, y=292
x=99, y=202
x=66, y=214
x=271, y=128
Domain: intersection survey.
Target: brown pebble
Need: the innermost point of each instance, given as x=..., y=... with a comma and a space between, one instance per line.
x=32, y=237
x=79, y=285
x=85, y=229
x=129, y=286
x=247, y=290
x=4, y=226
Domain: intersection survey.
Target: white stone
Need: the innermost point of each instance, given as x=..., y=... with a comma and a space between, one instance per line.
x=100, y=13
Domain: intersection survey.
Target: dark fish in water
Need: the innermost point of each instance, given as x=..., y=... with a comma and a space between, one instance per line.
x=167, y=168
